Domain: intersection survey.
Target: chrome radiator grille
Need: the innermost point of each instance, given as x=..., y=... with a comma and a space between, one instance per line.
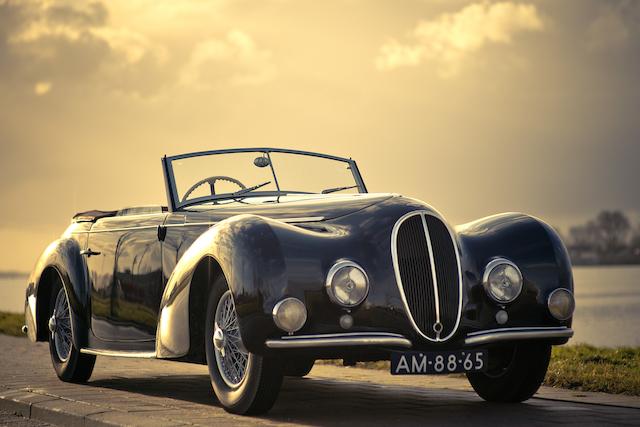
x=427, y=270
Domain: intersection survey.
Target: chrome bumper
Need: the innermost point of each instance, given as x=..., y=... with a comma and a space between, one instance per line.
x=381, y=339
x=384, y=339
x=511, y=334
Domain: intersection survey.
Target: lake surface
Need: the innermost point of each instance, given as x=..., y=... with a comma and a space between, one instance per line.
x=607, y=304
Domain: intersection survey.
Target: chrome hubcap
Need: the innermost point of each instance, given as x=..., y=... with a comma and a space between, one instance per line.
x=52, y=324
x=231, y=356
x=218, y=340
x=60, y=327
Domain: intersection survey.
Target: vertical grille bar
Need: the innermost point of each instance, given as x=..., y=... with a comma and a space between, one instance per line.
x=428, y=274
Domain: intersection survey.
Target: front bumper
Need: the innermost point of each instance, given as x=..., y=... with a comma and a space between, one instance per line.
x=383, y=339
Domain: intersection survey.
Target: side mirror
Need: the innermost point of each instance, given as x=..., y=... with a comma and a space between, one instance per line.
x=261, y=161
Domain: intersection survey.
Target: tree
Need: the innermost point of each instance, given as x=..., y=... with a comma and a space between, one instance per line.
x=613, y=228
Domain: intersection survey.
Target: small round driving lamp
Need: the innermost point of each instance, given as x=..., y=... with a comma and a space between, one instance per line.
x=347, y=284
x=290, y=314
x=502, y=280
x=561, y=304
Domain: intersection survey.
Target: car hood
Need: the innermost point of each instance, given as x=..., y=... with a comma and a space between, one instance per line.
x=314, y=207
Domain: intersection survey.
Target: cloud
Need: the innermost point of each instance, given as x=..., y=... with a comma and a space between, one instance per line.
x=42, y=88
x=451, y=37
x=74, y=43
x=613, y=26
x=234, y=59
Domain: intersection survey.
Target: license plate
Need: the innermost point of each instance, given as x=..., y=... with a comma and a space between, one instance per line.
x=437, y=362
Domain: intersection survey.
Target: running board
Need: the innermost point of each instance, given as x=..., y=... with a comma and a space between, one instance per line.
x=120, y=353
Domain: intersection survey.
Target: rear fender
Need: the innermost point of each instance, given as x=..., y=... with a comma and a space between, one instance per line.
x=61, y=258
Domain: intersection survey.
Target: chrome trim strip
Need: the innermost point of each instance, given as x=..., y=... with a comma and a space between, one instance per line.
x=434, y=278
x=340, y=340
x=396, y=268
x=120, y=353
x=508, y=334
x=301, y=219
x=193, y=224
x=106, y=230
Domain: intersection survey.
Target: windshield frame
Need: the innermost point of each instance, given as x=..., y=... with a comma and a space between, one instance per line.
x=175, y=204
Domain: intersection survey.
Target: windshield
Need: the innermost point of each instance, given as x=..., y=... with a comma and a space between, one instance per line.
x=212, y=177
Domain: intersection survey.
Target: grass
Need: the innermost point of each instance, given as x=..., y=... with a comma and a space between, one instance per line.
x=588, y=368
x=576, y=367
x=11, y=324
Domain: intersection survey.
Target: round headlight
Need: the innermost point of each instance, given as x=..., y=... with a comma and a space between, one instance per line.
x=347, y=284
x=290, y=314
x=561, y=304
x=502, y=280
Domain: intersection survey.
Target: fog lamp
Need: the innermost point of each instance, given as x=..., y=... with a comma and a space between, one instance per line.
x=502, y=280
x=290, y=314
x=347, y=284
x=561, y=304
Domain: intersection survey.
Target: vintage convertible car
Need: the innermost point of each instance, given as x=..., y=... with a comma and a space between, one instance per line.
x=267, y=259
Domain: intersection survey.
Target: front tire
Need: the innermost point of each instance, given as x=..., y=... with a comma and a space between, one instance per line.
x=515, y=372
x=298, y=367
x=244, y=383
x=70, y=365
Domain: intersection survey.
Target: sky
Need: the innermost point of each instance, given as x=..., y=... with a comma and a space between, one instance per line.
x=476, y=107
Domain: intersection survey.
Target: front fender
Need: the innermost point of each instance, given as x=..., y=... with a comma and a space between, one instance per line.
x=62, y=257
x=249, y=255
x=532, y=245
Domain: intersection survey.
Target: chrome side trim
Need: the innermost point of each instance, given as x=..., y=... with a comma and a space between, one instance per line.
x=194, y=224
x=120, y=353
x=340, y=340
x=509, y=334
x=108, y=230
x=396, y=268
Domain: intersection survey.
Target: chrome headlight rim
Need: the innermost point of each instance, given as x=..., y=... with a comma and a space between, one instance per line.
x=488, y=269
x=331, y=274
x=573, y=303
x=276, y=309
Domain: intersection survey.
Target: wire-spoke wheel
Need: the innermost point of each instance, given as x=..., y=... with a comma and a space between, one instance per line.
x=244, y=382
x=70, y=365
x=231, y=356
x=60, y=326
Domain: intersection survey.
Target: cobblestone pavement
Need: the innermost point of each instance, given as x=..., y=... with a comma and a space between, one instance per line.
x=151, y=392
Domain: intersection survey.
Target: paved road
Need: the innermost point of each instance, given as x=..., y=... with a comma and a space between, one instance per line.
x=126, y=391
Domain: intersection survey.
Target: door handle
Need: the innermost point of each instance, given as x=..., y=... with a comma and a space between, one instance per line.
x=88, y=252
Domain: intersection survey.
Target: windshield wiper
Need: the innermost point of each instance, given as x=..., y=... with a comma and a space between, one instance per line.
x=333, y=190
x=249, y=189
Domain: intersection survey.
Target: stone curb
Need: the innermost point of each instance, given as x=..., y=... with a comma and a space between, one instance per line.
x=70, y=413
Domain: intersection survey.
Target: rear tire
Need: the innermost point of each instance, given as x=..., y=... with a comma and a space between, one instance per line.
x=298, y=367
x=515, y=372
x=70, y=365
x=242, y=387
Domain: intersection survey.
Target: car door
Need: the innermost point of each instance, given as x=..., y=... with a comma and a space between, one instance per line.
x=125, y=272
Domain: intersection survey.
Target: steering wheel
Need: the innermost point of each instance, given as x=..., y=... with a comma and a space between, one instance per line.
x=212, y=181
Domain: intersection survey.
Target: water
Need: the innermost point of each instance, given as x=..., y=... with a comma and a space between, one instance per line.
x=607, y=299
x=607, y=306
x=12, y=291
